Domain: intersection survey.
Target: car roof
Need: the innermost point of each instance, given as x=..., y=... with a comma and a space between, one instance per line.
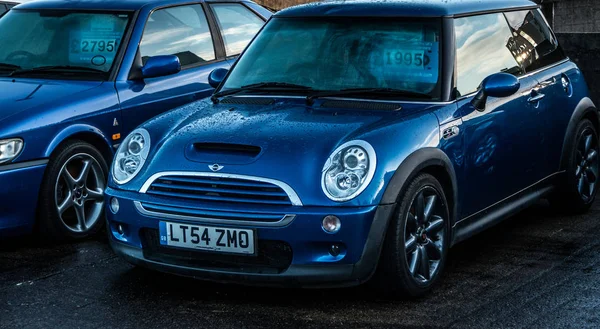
x=404, y=8
x=107, y=4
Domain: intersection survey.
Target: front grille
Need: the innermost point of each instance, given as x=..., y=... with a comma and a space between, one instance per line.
x=219, y=189
x=201, y=213
x=272, y=257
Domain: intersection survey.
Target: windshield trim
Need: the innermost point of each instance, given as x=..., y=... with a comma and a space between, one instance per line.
x=117, y=61
x=437, y=94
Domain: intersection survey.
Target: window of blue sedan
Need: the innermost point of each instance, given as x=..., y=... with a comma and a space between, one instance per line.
x=333, y=54
x=238, y=26
x=60, y=42
x=181, y=31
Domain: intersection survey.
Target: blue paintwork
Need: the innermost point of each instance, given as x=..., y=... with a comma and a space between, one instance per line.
x=296, y=139
x=47, y=112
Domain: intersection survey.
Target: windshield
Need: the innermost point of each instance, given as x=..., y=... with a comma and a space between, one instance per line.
x=332, y=54
x=35, y=39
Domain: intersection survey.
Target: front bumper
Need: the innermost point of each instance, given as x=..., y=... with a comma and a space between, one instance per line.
x=310, y=265
x=19, y=189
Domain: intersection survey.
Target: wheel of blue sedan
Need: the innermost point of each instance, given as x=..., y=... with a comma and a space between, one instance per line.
x=417, y=242
x=72, y=195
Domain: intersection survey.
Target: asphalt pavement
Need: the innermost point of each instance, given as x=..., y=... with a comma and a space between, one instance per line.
x=536, y=270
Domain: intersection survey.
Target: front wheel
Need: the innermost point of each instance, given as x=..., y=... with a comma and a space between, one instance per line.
x=417, y=242
x=72, y=193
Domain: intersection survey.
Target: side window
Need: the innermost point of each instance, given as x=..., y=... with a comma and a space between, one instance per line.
x=3, y=9
x=238, y=25
x=182, y=31
x=482, y=49
x=532, y=41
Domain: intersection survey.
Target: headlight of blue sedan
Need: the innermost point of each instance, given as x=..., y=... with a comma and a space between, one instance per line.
x=10, y=149
x=131, y=156
x=348, y=170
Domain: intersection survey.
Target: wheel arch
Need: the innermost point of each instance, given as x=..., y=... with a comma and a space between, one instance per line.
x=427, y=160
x=584, y=110
x=83, y=132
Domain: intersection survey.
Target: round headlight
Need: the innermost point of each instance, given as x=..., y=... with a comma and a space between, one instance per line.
x=348, y=171
x=131, y=156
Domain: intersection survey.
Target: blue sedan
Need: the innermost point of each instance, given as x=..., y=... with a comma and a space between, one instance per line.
x=354, y=139
x=80, y=75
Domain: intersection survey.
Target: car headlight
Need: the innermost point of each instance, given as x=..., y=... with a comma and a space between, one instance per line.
x=10, y=149
x=131, y=156
x=348, y=170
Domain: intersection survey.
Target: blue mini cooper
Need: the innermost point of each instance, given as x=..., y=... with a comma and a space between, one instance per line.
x=359, y=138
x=77, y=76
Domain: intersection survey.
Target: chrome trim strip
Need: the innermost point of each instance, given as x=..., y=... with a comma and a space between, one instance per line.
x=21, y=165
x=294, y=199
x=285, y=220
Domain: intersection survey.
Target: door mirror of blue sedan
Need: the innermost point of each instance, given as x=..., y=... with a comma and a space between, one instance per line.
x=216, y=77
x=160, y=66
x=496, y=85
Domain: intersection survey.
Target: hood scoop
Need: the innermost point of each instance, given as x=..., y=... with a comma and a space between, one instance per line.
x=222, y=153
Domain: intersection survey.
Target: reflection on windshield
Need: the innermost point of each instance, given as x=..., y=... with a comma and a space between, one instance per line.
x=336, y=54
x=61, y=38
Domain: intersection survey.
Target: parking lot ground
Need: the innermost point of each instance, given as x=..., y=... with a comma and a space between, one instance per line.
x=537, y=270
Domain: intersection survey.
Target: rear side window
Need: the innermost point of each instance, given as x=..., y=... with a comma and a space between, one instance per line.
x=182, y=31
x=238, y=25
x=3, y=9
x=532, y=42
x=482, y=50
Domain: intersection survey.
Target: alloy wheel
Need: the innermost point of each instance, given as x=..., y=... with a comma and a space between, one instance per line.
x=586, y=159
x=79, y=192
x=424, y=234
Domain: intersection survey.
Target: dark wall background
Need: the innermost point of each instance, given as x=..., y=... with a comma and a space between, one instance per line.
x=584, y=50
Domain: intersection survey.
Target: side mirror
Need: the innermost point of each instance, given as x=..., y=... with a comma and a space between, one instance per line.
x=496, y=85
x=160, y=66
x=216, y=77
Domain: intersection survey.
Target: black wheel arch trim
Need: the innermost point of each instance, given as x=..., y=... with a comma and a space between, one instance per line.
x=412, y=166
x=586, y=106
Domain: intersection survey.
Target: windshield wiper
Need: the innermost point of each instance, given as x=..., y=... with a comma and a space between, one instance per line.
x=58, y=69
x=368, y=91
x=8, y=66
x=271, y=86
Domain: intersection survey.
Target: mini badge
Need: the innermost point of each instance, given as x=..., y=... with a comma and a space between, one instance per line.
x=216, y=167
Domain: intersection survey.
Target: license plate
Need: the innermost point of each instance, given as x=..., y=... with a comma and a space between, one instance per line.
x=218, y=239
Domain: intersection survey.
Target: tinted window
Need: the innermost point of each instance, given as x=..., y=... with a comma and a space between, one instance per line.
x=238, y=26
x=482, y=44
x=3, y=9
x=331, y=54
x=182, y=31
x=52, y=38
x=532, y=42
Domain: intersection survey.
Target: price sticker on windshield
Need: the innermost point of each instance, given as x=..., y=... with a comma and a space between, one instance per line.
x=409, y=59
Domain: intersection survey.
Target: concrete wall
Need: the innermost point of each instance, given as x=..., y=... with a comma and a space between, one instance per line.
x=576, y=16
x=584, y=49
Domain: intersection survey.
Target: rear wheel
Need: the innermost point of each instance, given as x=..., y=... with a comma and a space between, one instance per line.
x=418, y=238
x=72, y=193
x=578, y=192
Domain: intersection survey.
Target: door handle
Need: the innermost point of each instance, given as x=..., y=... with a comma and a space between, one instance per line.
x=536, y=98
x=548, y=83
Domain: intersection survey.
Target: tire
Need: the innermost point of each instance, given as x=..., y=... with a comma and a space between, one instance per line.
x=80, y=197
x=577, y=192
x=414, y=239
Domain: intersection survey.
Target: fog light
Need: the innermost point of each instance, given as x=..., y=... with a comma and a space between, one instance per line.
x=114, y=205
x=120, y=229
x=331, y=224
x=335, y=250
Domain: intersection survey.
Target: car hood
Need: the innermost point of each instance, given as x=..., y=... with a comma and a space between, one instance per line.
x=18, y=95
x=283, y=141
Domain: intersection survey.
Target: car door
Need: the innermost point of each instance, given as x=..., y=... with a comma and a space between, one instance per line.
x=237, y=24
x=541, y=56
x=183, y=31
x=501, y=142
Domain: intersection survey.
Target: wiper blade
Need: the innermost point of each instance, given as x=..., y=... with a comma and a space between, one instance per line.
x=9, y=66
x=59, y=69
x=273, y=86
x=369, y=91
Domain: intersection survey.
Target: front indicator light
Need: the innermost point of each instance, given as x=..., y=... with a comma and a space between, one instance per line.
x=331, y=224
